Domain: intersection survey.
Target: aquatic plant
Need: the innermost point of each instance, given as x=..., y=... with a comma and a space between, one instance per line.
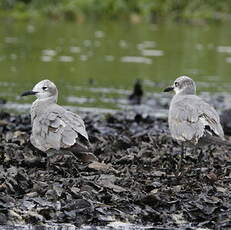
x=135, y=10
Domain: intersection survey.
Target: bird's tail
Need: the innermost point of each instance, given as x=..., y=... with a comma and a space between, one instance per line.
x=83, y=152
x=217, y=141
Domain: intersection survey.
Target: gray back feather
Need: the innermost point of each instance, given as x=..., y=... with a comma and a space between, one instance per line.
x=53, y=127
x=190, y=116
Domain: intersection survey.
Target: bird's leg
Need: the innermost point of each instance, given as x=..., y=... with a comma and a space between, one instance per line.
x=200, y=156
x=195, y=157
x=74, y=165
x=182, y=150
x=211, y=150
x=50, y=153
x=48, y=165
x=181, y=157
x=195, y=148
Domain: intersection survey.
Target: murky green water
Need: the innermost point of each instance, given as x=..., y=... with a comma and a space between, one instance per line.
x=92, y=64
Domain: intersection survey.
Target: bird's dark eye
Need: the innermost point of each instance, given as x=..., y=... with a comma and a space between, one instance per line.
x=176, y=84
x=44, y=88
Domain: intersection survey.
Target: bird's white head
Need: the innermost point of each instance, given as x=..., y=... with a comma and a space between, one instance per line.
x=44, y=89
x=183, y=85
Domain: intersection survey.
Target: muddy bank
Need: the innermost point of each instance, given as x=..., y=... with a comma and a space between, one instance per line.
x=136, y=179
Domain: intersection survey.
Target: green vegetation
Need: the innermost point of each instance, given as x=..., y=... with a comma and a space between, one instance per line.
x=134, y=10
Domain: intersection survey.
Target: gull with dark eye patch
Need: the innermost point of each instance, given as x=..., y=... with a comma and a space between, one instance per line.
x=192, y=120
x=55, y=129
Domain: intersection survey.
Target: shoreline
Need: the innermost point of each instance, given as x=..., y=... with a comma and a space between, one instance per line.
x=135, y=12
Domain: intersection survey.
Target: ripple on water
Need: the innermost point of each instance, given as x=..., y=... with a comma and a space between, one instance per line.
x=146, y=45
x=224, y=49
x=13, y=56
x=7, y=84
x=118, y=101
x=87, y=43
x=20, y=107
x=80, y=100
x=97, y=44
x=110, y=90
x=66, y=59
x=49, y=52
x=30, y=29
x=199, y=46
x=109, y=58
x=99, y=34
x=11, y=40
x=2, y=58
x=25, y=108
x=83, y=57
x=46, y=58
x=228, y=59
x=75, y=49
x=152, y=52
x=136, y=59
x=123, y=44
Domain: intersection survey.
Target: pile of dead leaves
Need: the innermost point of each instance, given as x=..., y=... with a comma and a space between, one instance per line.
x=136, y=180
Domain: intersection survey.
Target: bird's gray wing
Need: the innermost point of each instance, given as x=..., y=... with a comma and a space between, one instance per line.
x=57, y=128
x=190, y=117
x=76, y=123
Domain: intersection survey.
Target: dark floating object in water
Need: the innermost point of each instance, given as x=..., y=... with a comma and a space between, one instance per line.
x=91, y=81
x=137, y=94
x=2, y=101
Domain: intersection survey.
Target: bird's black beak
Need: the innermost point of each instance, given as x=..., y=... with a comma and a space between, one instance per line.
x=28, y=93
x=169, y=89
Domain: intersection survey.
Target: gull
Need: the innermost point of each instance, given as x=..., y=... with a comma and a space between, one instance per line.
x=55, y=129
x=192, y=120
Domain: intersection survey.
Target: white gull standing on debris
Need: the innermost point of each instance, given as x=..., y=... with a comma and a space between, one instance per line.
x=192, y=120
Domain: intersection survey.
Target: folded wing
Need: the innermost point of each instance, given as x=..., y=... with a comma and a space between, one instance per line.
x=190, y=118
x=57, y=128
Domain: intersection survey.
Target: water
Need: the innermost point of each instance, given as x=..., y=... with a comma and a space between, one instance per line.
x=95, y=65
